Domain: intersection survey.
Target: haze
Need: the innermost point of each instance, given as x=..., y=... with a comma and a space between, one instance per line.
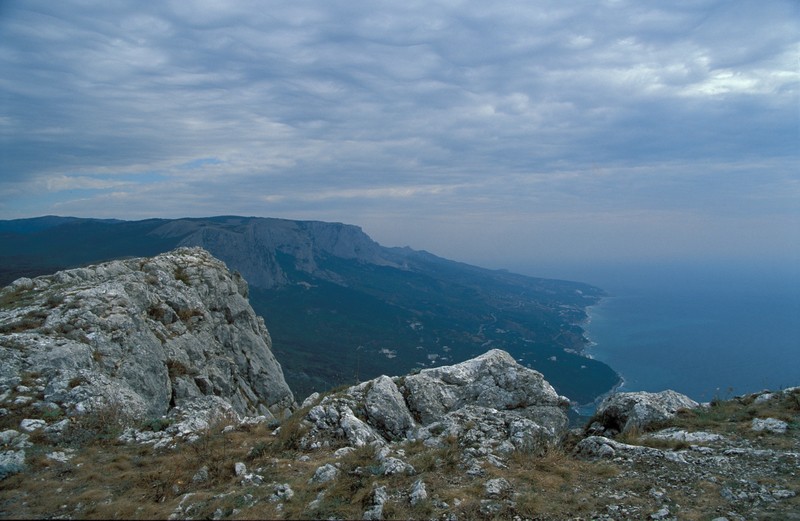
x=496, y=133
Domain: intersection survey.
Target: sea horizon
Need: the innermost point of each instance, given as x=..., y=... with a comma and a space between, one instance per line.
x=709, y=335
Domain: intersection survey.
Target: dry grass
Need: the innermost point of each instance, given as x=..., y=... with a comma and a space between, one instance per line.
x=109, y=480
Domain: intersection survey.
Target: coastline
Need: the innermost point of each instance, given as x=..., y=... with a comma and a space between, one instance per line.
x=588, y=409
x=699, y=337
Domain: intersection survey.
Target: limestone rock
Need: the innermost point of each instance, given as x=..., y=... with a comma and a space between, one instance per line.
x=419, y=492
x=11, y=462
x=497, y=488
x=622, y=412
x=324, y=474
x=201, y=476
x=490, y=401
x=386, y=409
x=493, y=380
x=594, y=447
x=30, y=425
x=769, y=424
x=379, y=498
x=282, y=492
x=676, y=434
x=391, y=465
x=142, y=336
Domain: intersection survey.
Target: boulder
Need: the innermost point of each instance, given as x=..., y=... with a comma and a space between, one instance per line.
x=621, y=412
x=490, y=400
x=386, y=409
x=419, y=492
x=497, y=488
x=773, y=425
x=324, y=474
x=493, y=380
x=600, y=447
x=11, y=462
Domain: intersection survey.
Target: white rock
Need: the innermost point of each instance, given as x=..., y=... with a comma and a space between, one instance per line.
x=769, y=424
x=11, y=462
x=418, y=492
x=201, y=476
x=183, y=315
x=391, y=466
x=763, y=398
x=14, y=439
x=511, y=404
x=282, y=492
x=310, y=400
x=379, y=498
x=387, y=410
x=342, y=452
x=622, y=412
x=61, y=456
x=31, y=425
x=497, y=488
x=324, y=474
x=677, y=434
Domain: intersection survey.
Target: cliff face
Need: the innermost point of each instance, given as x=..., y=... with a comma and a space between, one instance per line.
x=255, y=245
x=148, y=334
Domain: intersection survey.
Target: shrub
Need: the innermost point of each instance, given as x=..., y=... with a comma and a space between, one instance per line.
x=156, y=424
x=176, y=368
x=103, y=424
x=181, y=275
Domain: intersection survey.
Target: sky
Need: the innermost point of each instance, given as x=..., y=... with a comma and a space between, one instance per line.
x=497, y=133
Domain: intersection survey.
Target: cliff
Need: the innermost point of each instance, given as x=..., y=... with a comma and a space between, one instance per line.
x=147, y=334
x=255, y=246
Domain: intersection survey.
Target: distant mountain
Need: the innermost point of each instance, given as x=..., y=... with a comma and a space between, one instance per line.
x=339, y=306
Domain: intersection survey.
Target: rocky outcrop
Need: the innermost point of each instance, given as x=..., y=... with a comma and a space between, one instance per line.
x=490, y=403
x=144, y=335
x=622, y=412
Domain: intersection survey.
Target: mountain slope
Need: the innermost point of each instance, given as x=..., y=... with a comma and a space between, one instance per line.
x=340, y=307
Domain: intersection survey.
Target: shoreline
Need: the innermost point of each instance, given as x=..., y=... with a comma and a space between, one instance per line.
x=581, y=408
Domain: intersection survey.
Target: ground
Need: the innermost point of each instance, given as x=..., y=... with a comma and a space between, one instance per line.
x=253, y=470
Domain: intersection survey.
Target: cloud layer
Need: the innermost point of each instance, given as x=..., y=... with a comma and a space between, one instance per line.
x=539, y=129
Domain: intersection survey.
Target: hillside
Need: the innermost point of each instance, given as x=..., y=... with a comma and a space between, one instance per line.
x=146, y=388
x=734, y=460
x=340, y=307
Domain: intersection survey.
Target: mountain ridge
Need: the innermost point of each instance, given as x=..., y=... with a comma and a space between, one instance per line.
x=342, y=308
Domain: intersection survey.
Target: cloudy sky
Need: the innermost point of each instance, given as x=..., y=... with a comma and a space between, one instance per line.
x=490, y=132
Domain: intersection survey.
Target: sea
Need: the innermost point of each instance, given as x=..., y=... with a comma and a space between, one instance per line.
x=705, y=330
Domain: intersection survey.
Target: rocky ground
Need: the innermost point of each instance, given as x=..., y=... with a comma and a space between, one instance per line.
x=737, y=460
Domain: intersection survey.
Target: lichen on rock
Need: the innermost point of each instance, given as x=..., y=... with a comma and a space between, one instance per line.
x=490, y=401
x=143, y=335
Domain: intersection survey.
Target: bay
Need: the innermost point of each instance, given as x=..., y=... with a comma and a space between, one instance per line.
x=703, y=331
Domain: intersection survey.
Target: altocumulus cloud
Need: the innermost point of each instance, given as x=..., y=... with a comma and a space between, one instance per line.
x=665, y=127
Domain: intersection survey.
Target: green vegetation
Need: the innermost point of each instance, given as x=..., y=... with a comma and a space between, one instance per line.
x=391, y=321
